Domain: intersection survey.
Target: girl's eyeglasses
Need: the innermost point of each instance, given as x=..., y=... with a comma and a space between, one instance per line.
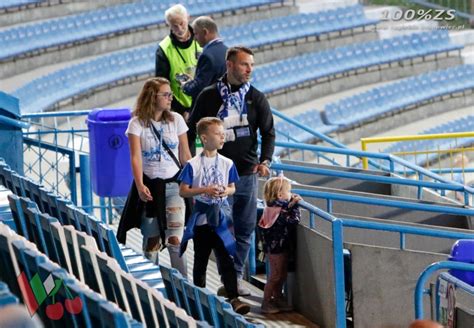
x=165, y=94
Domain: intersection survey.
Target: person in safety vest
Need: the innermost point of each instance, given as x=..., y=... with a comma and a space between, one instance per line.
x=177, y=56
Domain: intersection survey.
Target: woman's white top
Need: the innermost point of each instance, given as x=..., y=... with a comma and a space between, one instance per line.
x=156, y=161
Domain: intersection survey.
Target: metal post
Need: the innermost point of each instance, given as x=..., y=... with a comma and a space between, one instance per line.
x=86, y=190
x=338, y=246
x=72, y=175
x=103, y=213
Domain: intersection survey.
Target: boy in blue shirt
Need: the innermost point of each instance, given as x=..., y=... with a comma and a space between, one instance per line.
x=210, y=177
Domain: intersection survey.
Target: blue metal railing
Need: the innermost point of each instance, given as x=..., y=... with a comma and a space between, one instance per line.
x=338, y=225
x=425, y=275
x=439, y=183
x=338, y=261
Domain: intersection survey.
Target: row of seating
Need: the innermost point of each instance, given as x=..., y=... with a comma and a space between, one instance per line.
x=20, y=258
x=396, y=96
x=68, y=214
x=104, y=21
x=291, y=27
x=76, y=246
x=312, y=66
x=78, y=253
x=44, y=92
x=8, y=4
x=465, y=124
x=200, y=303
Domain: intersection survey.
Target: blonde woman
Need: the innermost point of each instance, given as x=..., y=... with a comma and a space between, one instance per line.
x=158, y=149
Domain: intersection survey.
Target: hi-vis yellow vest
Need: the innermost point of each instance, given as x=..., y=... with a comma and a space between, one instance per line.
x=182, y=61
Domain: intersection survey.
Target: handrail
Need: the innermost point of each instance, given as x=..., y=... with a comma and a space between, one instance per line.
x=419, y=291
x=359, y=153
x=338, y=264
x=14, y=123
x=317, y=134
x=366, y=177
x=393, y=227
x=385, y=202
x=58, y=114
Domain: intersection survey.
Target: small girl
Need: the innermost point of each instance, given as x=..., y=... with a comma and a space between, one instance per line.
x=276, y=226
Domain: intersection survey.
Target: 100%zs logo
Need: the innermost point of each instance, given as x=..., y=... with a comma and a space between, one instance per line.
x=420, y=14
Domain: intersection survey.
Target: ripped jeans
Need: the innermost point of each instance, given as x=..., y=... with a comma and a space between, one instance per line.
x=150, y=228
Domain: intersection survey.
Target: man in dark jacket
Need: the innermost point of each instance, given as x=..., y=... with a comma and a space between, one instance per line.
x=211, y=64
x=177, y=56
x=245, y=112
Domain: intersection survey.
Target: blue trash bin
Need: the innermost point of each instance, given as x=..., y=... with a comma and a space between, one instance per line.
x=111, y=173
x=463, y=251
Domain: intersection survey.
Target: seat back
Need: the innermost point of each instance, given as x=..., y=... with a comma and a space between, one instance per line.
x=171, y=292
x=18, y=215
x=208, y=305
x=60, y=245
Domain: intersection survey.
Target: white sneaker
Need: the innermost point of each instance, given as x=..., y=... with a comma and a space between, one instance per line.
x=241, y=289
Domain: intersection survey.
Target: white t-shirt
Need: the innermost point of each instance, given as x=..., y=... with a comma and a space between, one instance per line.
x=202, y=171
x=156, y=161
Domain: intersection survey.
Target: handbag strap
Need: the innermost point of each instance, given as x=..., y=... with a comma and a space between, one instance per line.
x=167, y=148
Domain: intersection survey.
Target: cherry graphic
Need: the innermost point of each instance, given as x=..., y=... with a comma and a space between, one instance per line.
x=55, y=311
x=73, y=306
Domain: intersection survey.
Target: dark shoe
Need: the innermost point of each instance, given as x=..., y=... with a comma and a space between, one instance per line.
x=269, y=308
x=239, y=306
x=282, y=305
x=221, y=291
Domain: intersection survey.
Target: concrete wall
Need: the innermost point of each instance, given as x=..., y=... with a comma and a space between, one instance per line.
x=336, y=182
x=383, y=284
x=314, y=295
x=122, y=40
x=342, y=208
x=342, y=82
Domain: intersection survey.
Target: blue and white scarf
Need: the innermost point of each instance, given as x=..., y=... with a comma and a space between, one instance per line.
x=232, y=99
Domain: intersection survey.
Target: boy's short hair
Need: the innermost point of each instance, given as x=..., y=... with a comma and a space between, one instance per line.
x=205, y=122
x=273, y=186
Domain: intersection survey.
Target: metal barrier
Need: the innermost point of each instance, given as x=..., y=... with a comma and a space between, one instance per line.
x=338, y=225
x=439, y=183
x=448, y=153
x=424, y=276
x=56, y=137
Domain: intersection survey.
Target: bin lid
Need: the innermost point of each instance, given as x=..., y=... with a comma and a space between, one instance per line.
x=463, y=251
x=109, y=115
x=9, y=106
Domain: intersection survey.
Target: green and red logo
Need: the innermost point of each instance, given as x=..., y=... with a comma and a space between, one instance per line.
x=35, y=292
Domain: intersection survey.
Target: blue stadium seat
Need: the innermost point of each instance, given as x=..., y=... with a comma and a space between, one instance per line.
x=208, y=303
x=192, y=296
